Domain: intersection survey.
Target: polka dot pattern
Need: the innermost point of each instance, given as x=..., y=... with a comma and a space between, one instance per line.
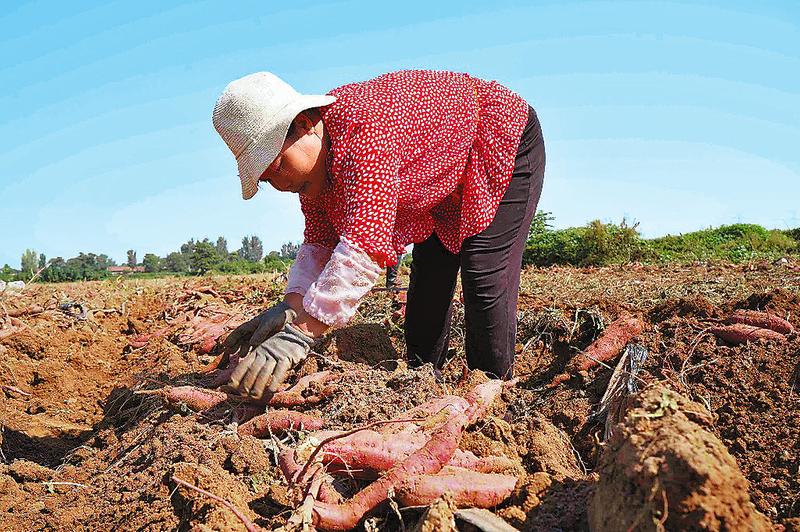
x=414, y=152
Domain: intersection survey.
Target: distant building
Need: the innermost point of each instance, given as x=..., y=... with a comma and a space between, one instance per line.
x=119, y=270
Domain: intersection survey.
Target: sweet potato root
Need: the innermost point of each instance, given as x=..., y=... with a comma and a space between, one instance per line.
x=611, y=342
x=430, y=459
x=479, y=398
x=482, y=396
x=764, y=320
x=7, y=332
x=279, y=421
x=739, y=333
x=468, y=488
x=193, y=397
x=292, y=469
x=27, y=311
x=441, y=406
x=297, y=396
x=202, y=332
x=141, y=340
x=367, y=453
x=309, y=390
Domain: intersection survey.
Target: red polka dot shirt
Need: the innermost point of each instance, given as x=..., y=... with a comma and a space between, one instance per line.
x=414, y=152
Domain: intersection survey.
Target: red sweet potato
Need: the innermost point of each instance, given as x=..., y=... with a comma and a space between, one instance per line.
x=222, y=376
x=292, y=469
x=482, y=396
x=429, y=459
x=202, y=332
x=27, y=311
x=468, y=488
x=611, y=342
x=764, y=320
x=481, y=464
x=279, y=421
x=739, y=333
x=366, y=453
x=193, y=397
x=447, y=403
x=368, y=449
x=141, y=340
x=479, y=398
x=7, y=332
x=296, y=395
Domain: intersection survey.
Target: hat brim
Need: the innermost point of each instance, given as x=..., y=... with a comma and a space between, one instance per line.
x=263, y=150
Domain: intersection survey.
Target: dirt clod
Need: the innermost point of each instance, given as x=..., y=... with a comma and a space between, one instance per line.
x=661, y=470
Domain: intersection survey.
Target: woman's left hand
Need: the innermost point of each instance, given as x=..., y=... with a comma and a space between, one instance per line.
x=264, y=369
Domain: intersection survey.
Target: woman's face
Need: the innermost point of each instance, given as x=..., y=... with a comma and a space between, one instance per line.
x=300, y=165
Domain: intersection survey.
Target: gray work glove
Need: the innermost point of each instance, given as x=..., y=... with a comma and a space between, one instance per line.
x=255, y=331
x=264, y=368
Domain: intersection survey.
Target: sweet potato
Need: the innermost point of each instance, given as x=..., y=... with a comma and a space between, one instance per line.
x=295, y=396
x=468, y=488
x=202, y=332
x=27, y=311
x=611, y=342
x=479, y=398
x=7, y=332
x=482, y=396
x=739, y=333
x=141, y=340
x=292, y=469
x=764, y=320
x=430, y=459
x=369, y=452
x=193, y=397
x=440, y=406
x=221, y=377
x=279, y=421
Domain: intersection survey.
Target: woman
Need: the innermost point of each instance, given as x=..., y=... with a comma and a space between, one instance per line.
x=448, y=162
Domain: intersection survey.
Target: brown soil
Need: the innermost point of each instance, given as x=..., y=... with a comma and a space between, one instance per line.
x=81, y=451
x=663, y=470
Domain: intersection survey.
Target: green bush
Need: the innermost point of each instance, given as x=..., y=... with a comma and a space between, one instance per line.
x=596, y=244
x=735, y=243
x=599, y=244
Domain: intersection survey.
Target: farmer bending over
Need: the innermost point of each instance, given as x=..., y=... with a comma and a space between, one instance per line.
x=446, y=161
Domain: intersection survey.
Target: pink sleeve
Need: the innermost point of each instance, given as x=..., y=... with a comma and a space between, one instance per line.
x=367, y=171
x=307, y=266
x=347, y=277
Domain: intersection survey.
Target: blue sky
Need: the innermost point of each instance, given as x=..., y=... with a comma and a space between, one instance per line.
x=678, y=115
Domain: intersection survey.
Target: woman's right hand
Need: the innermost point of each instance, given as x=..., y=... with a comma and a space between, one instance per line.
x=258, y=329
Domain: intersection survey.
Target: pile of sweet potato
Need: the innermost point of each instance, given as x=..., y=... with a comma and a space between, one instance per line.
x=414, y=458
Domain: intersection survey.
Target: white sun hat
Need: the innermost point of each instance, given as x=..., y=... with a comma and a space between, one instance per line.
x=253, y=115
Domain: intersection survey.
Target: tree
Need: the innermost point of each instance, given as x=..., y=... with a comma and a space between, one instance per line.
x=7, y=273
x=132, y=258
x=273, y=262
x=28, y=262
x=188, y=248
x=151, y=262
x=252, y=249
x=244, y=251
x=222, y=247
x=104, y=261
x=42, y=261
x=175, y=262
x=256, y=249
x=289, y=250
x=204, y=258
